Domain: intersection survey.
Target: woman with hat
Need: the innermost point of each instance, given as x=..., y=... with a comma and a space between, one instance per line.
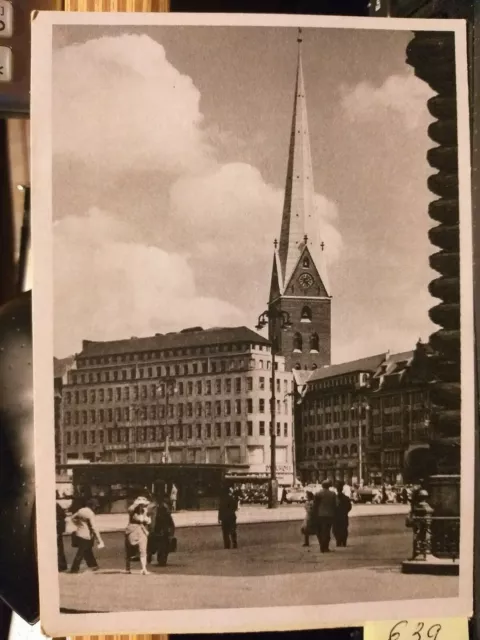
x=136, y=534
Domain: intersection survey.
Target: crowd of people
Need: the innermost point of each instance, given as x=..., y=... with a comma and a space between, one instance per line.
x=150, y=533
x=327, y=511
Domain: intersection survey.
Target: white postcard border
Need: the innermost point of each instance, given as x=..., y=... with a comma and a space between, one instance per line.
x=221, y=620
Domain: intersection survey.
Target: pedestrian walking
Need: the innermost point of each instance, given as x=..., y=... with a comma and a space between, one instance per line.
x=85, y=536
x=227, y=517
x=284, y=495
x=384, y=495
x=61, y=528
x=340, y=523
x=308, y=527
x=325, y=506
x=173, y=498
x=162, y=532
x=136, y=534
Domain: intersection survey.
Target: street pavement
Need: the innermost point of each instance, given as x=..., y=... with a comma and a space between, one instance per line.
x=270, y=568
x=246, y=514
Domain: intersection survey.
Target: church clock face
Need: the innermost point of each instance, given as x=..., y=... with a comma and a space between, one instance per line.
x=305, y=281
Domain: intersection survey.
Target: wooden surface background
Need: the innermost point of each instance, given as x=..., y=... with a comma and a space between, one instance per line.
x=117, y=5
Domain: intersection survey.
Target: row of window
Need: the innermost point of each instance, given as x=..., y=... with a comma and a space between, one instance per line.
x=398, y=419
x=397, y=436
x=345, y=434
x=346, y=400
x=335, y=452
x=207, y=387
x=313, y=342
x=130, y=436
x=329, y=417
x=188, y=410
x=386, y=419
x=171, y=353
x=135, y=373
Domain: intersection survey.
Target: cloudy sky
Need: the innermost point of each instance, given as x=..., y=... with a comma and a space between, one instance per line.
x=170, y=152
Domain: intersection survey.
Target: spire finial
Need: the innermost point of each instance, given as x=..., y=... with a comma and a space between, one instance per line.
x=275, y=243
x=305, y=238
x=299, y=37
x=322, y=246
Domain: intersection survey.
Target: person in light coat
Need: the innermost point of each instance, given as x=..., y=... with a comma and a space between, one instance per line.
x=136, y=534
x=84, y=536
x=308, y=527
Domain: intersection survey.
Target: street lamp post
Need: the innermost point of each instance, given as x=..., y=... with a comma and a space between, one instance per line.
x=272, y=317
x=358, y=405
x=135, y=409
x=170, y=389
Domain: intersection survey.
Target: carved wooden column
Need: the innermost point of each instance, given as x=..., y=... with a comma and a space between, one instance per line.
x=432, y=56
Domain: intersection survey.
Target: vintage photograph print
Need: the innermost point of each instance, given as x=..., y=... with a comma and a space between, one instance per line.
x=253, y=325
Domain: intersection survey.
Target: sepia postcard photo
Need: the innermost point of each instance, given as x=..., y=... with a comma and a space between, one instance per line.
x=253, y=321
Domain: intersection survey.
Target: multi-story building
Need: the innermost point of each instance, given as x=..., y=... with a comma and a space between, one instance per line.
x=359, y=418
x=333, y=420
x=197, y=396
x=400, y=410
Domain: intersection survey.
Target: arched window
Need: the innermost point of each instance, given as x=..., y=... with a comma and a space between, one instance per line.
x=298, y=366
x=336, y=451
x=328, y=452
x=306, y=314
x=297, y=343
x=306, y=263
x=354, y=450
x=314, y=366
x=319, y=452
x=314, y=343
x=345, y=451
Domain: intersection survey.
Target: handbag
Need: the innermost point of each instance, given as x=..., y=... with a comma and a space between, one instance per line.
x=172, y=547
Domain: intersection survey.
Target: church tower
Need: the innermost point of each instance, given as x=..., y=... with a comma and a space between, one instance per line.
x=299, y=282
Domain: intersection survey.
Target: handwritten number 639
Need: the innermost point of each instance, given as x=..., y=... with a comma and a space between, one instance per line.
x=421, y=631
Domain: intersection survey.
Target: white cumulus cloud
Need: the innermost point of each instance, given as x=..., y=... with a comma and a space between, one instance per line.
x=406, y=95
x=120, y=104
x=109, y=287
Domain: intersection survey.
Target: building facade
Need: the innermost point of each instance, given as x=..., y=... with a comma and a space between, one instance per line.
x=400, y=412
x=334, y=421
x=358, y=419
x=197, y=396
x=299, y=286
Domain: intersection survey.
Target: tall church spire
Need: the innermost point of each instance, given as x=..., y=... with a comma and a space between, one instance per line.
x=300, y=226
x=298, y=285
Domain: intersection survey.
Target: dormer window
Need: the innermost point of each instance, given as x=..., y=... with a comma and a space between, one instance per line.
x=306, y=315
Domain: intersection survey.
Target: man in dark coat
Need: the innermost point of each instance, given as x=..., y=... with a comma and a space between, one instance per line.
x=340, y=524
x=324, y=509
x=162, y=531
x=227, y=517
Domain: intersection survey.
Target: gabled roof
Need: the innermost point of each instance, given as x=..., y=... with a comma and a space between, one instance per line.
x=196, y=337
x=362, y=365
